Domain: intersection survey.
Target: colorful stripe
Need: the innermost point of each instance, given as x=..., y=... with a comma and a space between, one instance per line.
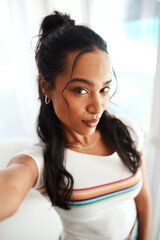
x=93, y=195
x=43, y=191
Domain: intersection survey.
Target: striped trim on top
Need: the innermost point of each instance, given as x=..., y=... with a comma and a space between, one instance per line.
x=93, y=195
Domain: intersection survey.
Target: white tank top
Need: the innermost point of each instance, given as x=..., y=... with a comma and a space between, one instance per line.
x=102, y=202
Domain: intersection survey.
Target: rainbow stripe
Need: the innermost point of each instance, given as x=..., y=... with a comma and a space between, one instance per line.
x=89, y=196
x=43, y=191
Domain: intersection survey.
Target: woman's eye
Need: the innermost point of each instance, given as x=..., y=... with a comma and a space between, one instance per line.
x=80, y=90
x=106, y=89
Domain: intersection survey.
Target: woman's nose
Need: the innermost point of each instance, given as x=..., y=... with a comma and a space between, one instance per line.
x=95, y=106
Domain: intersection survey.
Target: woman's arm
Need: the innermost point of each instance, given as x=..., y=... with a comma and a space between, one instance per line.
x=143, y=204
x=15, y=182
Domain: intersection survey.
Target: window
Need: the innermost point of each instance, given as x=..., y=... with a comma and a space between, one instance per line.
x=131, y=31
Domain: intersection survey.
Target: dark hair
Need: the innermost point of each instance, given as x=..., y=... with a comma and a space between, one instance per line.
x=58, y=37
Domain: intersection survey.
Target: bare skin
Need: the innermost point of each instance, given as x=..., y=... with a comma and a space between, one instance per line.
x=143, y=205
x=18, y=178
x=87, y=96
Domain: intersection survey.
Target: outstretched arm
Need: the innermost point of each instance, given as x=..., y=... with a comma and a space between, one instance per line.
x=15, y=182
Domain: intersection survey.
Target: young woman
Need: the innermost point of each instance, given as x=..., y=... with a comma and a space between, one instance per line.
x=88, y=163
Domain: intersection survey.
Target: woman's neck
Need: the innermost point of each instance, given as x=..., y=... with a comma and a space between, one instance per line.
x=74, y=138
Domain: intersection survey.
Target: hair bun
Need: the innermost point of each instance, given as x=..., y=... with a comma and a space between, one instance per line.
x=55, y=21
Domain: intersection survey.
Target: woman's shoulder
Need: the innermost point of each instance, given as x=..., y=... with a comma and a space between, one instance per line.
x=130, y=123
x=35, y=151
x=34, y=148
x=134, y=128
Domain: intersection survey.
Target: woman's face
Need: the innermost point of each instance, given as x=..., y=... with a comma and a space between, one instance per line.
x=87, y=94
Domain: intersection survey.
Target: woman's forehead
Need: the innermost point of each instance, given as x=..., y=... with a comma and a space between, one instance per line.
x=81, y=56
x=88, y=61
x=88, y=65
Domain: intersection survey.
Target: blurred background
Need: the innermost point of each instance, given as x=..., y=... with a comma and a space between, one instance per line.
x=131, y=29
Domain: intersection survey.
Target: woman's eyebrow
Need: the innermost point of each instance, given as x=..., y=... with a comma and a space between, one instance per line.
x=90, y=83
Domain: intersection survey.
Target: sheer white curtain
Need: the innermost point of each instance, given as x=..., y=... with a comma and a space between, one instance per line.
x=18, y=95
x=153, y=152
x=19, y=23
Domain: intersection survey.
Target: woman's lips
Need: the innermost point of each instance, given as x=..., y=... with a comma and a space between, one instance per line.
x=91, y=123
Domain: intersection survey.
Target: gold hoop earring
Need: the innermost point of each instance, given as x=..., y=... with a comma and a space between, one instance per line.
x=47, y=100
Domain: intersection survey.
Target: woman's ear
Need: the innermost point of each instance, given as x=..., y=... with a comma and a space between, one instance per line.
x=43, y=83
